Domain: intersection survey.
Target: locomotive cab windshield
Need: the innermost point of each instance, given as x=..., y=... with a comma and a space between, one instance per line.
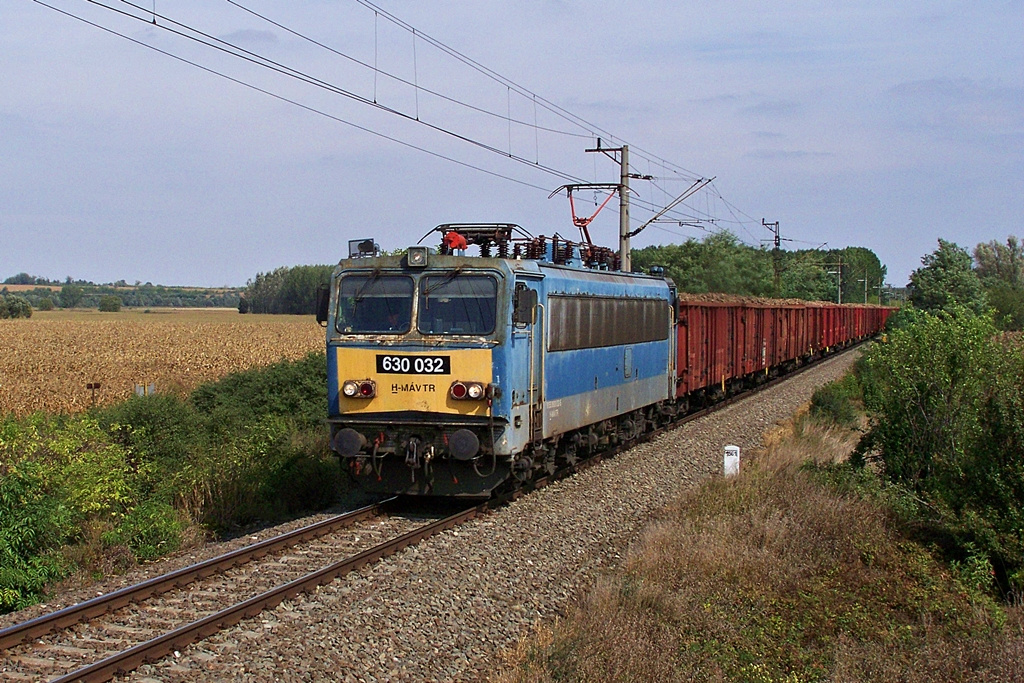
x=445, y=303
x=374, y=304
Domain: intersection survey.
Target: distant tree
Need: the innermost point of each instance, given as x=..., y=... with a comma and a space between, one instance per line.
x=946, y=279
x=721, y=263
x=803, y=277
x=286, y=290
x=243, y=305
x=14, y=307
x=110, y=303
x=861, y=272
x=1001, y=269
x=1008, y=303
x=21, y=279
x=1000, y=262
x=45, y=304
x=71, y=295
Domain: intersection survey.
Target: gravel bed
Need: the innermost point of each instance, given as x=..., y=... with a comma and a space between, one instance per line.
x=81, y=588
x=445, y=609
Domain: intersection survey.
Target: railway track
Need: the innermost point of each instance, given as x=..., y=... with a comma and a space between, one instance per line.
x=116, y=632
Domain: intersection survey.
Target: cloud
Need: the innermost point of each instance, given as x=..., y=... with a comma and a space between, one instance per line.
x=782, y=154
x=772, y=108
x=251, y=37
x=961, y=109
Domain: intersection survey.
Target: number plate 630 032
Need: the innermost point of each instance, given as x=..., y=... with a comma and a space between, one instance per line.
x=413, y=365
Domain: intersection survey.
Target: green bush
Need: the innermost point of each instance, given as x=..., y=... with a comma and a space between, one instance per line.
x=14, y=307
x=139, y=474
x=110, y=303
x=150, y=530
x=161, y=429
x=293, y=389
x=46, y=304
x=34, y=524
x=306, y=482
x=834, y=402
x=948, y=397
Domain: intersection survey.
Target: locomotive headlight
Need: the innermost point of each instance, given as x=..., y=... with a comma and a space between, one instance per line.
x=366, y=388
x=458, y=390
x=416, y=257
x=467, y=390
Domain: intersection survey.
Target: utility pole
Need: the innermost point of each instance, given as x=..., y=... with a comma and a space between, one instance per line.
x=838, y=271
x=865, y=281
x=776, y=255
x=624, y=260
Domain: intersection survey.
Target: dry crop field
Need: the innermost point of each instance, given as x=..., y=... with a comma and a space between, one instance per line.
x=47, y=360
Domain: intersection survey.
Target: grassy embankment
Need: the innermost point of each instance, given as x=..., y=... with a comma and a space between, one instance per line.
x=799, y=569
x=89, y=493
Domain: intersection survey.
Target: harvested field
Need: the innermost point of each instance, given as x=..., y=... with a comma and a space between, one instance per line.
x=48, y=359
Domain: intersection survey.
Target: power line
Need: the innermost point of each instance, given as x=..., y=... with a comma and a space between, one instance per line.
x=259, y=60
x=525, y=92
x=193, y=34
x=291, y=101
x=403, y=81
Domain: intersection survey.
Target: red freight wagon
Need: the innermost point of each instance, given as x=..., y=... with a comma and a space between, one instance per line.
x=720, y=343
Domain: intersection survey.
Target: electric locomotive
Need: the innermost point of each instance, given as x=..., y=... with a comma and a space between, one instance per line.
x=458, y=375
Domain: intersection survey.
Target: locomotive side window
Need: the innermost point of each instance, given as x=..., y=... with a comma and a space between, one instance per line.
x=375, y=304
x=579, y=322
x=457, y=304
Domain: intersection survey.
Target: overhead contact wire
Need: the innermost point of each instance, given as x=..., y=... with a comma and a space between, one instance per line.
x=259, y=60
x=292, y=102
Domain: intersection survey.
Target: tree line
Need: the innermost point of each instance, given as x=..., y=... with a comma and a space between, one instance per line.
x=993, y=278
x=79, y=294
x=290, y=290
x=721, y=263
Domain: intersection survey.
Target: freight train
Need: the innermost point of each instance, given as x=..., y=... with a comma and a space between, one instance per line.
x=457, y=375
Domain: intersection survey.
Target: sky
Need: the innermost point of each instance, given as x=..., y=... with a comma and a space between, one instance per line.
x=886, y=125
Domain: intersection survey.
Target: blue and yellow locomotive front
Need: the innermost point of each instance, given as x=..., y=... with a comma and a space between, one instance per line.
x=452, y=375
x=417, y=354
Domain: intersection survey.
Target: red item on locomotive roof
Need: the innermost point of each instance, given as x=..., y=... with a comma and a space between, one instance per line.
x=454, y=240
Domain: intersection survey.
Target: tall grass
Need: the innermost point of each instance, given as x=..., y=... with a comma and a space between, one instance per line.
x=787, y=572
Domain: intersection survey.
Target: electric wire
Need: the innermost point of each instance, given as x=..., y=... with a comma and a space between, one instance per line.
x=259, y=60
x=399, y=79
x=547, y=104
x=676, y=172
x=287, y=100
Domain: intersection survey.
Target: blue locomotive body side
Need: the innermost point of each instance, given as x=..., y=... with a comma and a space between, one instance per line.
x=608, y=346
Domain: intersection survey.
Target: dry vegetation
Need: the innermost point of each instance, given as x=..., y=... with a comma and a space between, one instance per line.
x=771, y=576
x=48, y=359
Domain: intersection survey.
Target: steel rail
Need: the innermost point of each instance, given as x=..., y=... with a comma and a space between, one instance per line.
x=83, y=611
x=152, y=650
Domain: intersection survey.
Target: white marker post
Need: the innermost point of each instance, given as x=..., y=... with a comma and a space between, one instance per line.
x=732, y=460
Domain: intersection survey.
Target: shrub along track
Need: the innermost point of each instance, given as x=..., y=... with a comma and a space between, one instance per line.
x=117, y=632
